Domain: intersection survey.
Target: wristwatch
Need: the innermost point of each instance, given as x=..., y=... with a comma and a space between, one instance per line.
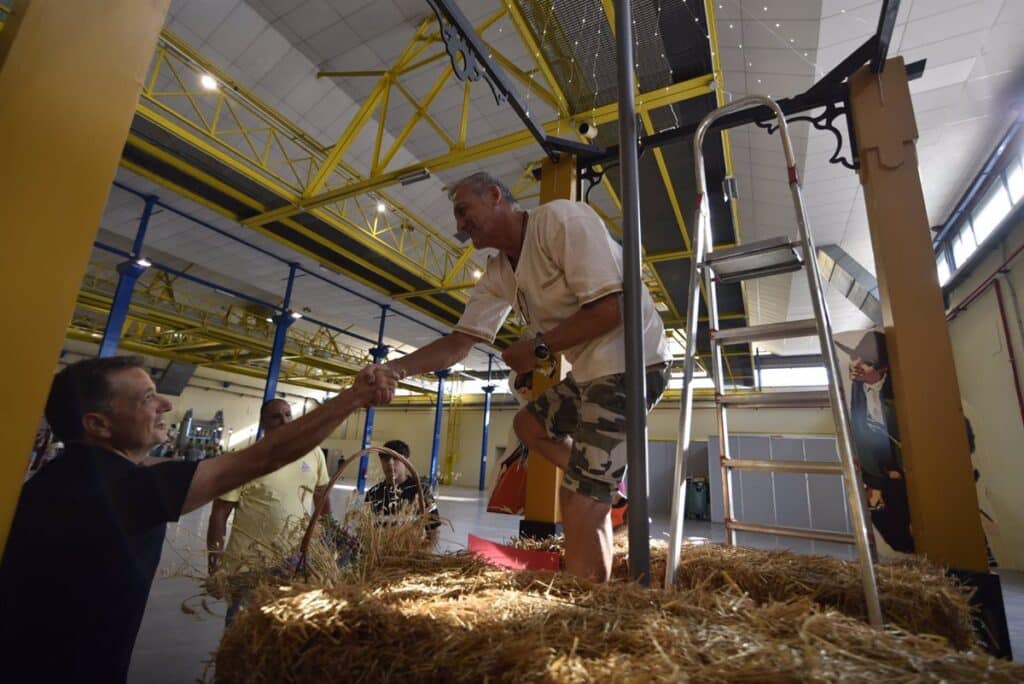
x=541, y=350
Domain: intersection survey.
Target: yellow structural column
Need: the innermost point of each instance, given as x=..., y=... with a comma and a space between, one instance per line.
x=936, y=457
x=541, y=514
x=70, y=77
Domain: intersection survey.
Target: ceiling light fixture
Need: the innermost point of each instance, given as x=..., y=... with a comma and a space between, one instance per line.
x=143, y=262
x=269, y=319
x=208, y=82
x=381, y=207
x=477, y=274
x=414, y=177
x=296, y=315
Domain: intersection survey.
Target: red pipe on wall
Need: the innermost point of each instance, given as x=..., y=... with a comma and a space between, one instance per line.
x=977, y=292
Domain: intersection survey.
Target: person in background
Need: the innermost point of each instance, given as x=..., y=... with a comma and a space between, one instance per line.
x=89, y=527
x=875, y=433
x=398, y=490
x=269, y=509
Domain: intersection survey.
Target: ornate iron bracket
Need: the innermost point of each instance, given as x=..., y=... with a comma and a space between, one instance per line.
x=825, y=122
x=464, y=63
x=593, y=177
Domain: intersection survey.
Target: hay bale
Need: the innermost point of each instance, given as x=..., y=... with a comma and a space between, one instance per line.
x=916, y=595
x=400, y=611
x=452, y=619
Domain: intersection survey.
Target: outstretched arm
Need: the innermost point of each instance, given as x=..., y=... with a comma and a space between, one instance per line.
x=216, y=476
x=442, y=353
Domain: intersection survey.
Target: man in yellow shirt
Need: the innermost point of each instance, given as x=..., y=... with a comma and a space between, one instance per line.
x=269, y=509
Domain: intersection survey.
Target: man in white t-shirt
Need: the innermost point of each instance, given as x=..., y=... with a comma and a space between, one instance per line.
x=562, y=272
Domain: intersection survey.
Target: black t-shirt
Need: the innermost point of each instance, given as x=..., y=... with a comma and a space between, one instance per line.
x=388, y=499
x=79, y=562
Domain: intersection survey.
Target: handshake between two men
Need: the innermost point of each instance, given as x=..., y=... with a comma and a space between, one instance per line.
x=383, y=379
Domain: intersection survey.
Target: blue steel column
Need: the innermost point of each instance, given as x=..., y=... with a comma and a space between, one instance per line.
x=380, y=353
x=129, y=272
x=488, y=390
x=282, y=321
x=438, y=411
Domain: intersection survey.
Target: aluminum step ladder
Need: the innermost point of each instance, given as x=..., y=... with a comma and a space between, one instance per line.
x=744, y=262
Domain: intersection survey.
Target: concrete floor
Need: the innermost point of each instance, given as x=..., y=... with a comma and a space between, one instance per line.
x=174, y=646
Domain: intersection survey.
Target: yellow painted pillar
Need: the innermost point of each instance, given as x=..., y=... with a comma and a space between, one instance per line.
x=541, y=513
x=936, y=457
x=70, y=76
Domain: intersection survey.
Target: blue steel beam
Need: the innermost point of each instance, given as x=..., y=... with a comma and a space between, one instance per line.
x=282, y=320
x=129, y=272
x=268, y=253
x=438, y=411
x=488, y=390
x=380, y=353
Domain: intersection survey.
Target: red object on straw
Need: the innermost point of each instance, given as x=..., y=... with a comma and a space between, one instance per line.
x=514, y=559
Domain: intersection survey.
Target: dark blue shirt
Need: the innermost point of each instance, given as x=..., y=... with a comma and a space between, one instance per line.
x=79, y=562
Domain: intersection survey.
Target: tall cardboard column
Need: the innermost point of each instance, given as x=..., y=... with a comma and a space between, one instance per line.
x=541, y=514
x=943, y=504
x=66, y=120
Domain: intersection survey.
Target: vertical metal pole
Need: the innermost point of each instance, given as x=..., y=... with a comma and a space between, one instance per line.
x=632, y=291
x=435, y=452
x=488, y=390
x=282, y=321
x=129, y=272
x=379, y=353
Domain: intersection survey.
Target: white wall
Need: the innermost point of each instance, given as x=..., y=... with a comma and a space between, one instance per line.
x=986, y=385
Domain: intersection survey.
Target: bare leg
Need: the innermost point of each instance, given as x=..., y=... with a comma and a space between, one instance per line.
x=588, y=536
x=586, y=522
x=536, y=438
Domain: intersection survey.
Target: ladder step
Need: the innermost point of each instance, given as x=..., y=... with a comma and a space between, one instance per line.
x=808, y=399
x=755, y=259
x=799, y=532
x=807, y=467
x=768, y=331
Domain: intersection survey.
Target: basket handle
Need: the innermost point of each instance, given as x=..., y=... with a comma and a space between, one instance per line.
x=319, y=508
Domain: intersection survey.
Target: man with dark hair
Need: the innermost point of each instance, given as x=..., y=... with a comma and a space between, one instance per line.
x=397, y=491
x=559, y=268
x=875, y=434
x=89, y=527
x=269, y=506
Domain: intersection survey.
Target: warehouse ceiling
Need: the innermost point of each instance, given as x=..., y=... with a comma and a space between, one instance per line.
x=325, y=106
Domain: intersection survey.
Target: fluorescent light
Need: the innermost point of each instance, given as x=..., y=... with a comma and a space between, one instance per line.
x=208, y=82
x=381, y=207
x=144, y=262
x=414, y=177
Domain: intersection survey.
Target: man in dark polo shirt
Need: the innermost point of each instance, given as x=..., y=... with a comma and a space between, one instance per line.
x=397, y=491
x=87, y=534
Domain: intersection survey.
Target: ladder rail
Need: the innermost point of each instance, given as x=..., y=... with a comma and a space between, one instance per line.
x=853, y=485
x=850, y=468
x=675, y=540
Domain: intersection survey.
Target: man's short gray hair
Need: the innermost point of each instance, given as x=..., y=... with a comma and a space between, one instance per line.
x=478, y=182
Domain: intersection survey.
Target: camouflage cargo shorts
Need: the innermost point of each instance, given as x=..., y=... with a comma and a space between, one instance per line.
x=593, y=414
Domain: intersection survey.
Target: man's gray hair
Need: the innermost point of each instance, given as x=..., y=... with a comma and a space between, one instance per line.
x=479, y=182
